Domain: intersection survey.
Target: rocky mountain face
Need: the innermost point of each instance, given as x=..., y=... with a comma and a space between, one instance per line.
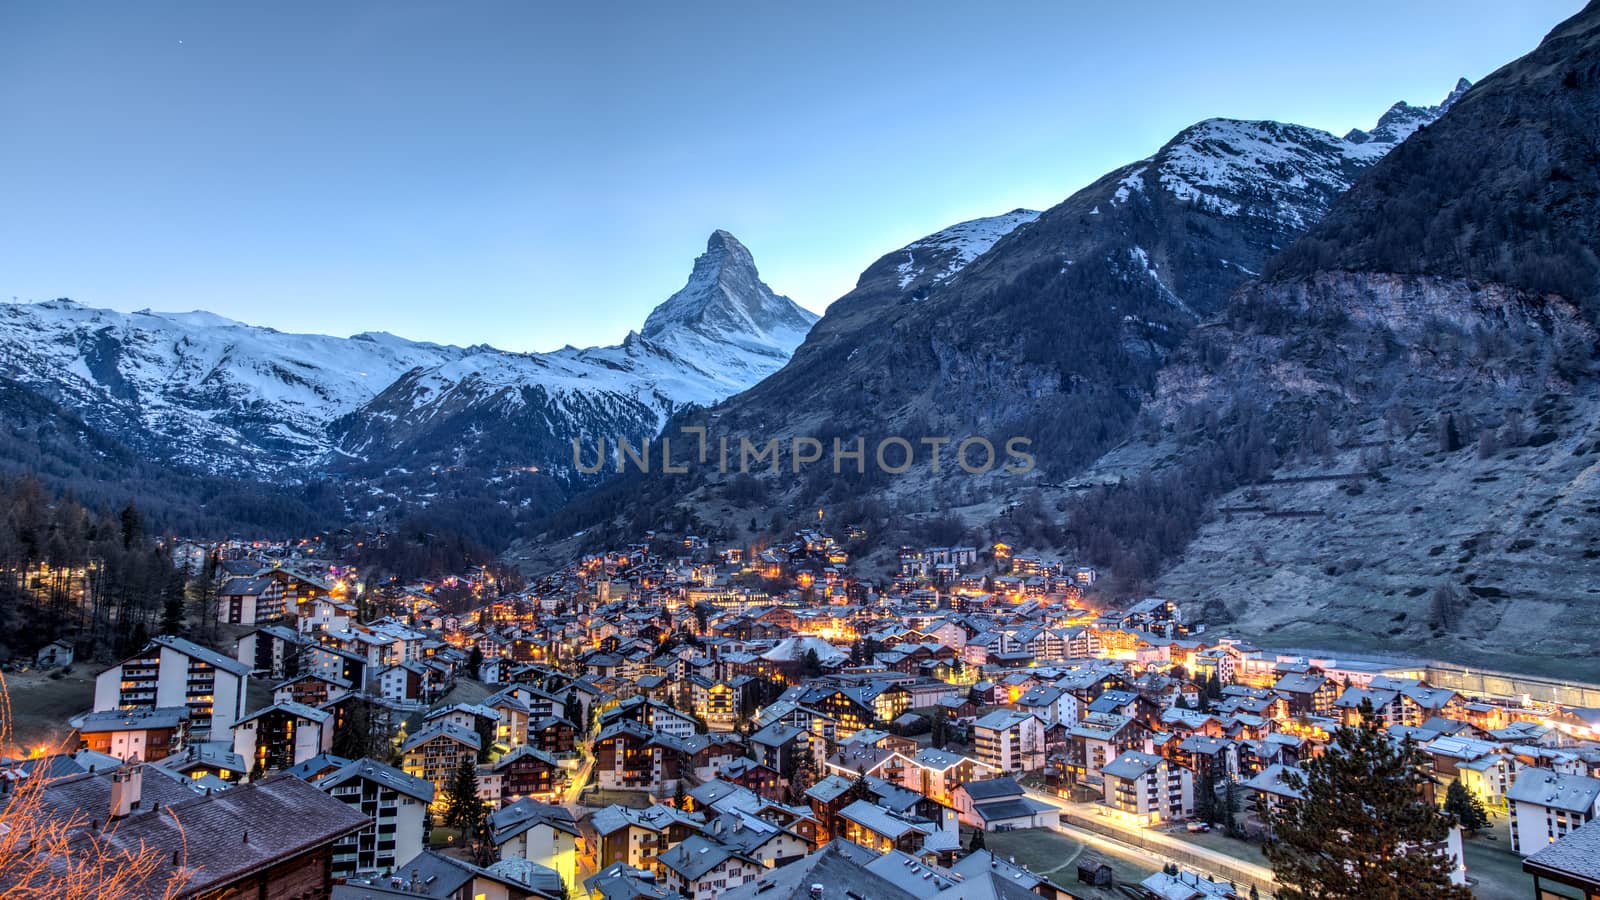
x=1420, y=369
x=1402, y=120
x=726, y=320
x=41, y=439
x=1050, y=325
x=219, y=397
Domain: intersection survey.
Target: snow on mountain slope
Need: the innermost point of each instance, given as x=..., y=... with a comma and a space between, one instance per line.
x=722, y=332
x=1056, y=330
x=1275, y=172
x=725, y=321
x=221, y=396
x=942, y=254
x=197, y=388
x=1402, y=120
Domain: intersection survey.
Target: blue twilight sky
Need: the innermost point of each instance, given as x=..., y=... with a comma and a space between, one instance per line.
x=532, y=174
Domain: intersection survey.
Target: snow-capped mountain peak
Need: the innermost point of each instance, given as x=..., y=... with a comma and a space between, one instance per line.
x=1272, y=171
x=222, y=396
x=1402, y=120
x=198, y=388
x=725, y=301
x=722, y=332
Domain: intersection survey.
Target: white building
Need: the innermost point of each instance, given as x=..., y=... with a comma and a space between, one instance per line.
x=540, y=833
x=1148, y=789
x=700, y=868
x=393, y=800
x=1547, y=806
x=1009, y=741
x=170, y=672
x=1050, y=704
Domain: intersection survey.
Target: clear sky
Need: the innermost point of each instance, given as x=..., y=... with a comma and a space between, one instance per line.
x=531, y=174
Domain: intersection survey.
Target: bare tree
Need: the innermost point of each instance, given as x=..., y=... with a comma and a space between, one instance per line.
x=45, y=855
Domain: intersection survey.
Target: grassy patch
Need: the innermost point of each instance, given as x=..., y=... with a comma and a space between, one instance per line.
x=1220, y=842
x=630, y=799
x=1055, y=856
x=41, y=705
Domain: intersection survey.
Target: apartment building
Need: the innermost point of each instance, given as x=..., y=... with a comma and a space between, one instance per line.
x=172, y=672
x=1147, y=789
x=1009, y=741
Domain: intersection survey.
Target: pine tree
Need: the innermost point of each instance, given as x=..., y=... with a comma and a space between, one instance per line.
x=977, y=842
x=463, y=810
x=172, y=604
x=360, y=736
x=805, y=775
x=203, y=592
x=132, y=526
x=812, y=663
x=1360, y=829
x=1230, y=807
x=572, y=711
x=1465, y=807
x=1205, y=796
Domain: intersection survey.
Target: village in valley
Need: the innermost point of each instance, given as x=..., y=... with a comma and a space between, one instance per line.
x=680, y=718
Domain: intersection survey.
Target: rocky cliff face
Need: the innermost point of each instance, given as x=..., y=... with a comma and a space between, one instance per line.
x=1424, y=363
x=1502, y=189
x=1402, y=120
x=1054, y=324
x=725, y=303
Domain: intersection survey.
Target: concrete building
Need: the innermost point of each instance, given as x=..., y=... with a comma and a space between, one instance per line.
x=1546, y=806
x=146, y=735
x=394, y=804
x=172, y=672
x=282, y=735
x=1009, y=741
x=1147, y=789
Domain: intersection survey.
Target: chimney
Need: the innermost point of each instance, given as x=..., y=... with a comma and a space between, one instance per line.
x=126, y=784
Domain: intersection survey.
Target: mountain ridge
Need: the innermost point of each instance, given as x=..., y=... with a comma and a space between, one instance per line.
x=1416, y=382
x=1055, y=332
x=1135, y=259
x=225, y=397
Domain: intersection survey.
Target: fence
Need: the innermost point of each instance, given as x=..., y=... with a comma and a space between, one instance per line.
x=1507, y=686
